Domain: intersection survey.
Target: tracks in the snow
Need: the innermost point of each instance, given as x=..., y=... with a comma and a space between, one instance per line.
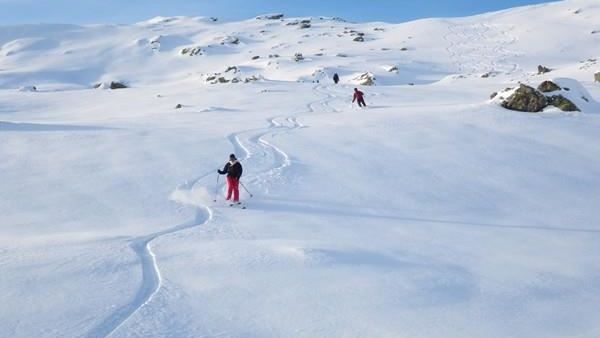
x=267, y=162
x=481, y=48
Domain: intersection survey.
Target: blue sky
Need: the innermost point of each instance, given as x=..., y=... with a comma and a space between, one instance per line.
x=126, y=11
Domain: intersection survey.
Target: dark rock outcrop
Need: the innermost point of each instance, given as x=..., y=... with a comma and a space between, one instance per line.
x=562, y=103
x=111, y=85
x=597, y=77
x=192, y=51
x=526, y=99
x=548, y=87
x=543, y=70
x=276, y=16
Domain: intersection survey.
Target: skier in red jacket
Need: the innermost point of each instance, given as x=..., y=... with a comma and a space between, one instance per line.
x=360, y=97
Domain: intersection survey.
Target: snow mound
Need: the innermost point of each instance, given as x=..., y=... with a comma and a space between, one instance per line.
x=575, y=92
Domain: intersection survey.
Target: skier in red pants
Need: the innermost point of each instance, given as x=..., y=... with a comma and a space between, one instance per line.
x=360, y=97
x=234, y=170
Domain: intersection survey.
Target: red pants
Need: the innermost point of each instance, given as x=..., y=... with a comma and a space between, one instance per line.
x=233, y=185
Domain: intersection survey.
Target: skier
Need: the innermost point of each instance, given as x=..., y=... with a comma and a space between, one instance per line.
x=234, y=170
x=359, y=96
x=336, y=78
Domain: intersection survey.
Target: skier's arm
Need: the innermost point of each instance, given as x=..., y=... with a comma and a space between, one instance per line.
x=354, y=98
x=225, y=169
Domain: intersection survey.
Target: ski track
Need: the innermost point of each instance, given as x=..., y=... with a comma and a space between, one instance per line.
x=480, y=48
x=151, y=275
x=255, y=149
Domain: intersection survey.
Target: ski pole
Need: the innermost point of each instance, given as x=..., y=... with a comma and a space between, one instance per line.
x=243, y=186
x=217, y=188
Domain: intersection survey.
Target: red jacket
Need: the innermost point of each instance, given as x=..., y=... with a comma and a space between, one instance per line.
x=358, y=95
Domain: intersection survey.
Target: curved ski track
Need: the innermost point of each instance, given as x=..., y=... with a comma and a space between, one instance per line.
x=481, y=48
x=270, y=161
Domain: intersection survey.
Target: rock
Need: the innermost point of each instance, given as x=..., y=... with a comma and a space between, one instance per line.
x=597, y=77
x=404, y=49
x=359, y=39
x=305, y=25
x=275, y=16
x=298, y=57
x=117, y=85
x=341, y=55
x=155, y=43
x=192, y=51
x=178, y=106
x=213, y=19
x=230, y=40
x=596, y=31
x=548, y=87
x=110, y=85
x=273, y=56
x=377, y=29
x=222, y=80
x=211, y=78
x=526, y=99
x=28, y=89
x=232, y=68
x=494, y=94
x=365, y=79
x=562, y=103
x=543, y=70
x=256, y=57
x=319, y=54
x=486, y=75
x=251, y=79
x=393, y=69
x=235, y=80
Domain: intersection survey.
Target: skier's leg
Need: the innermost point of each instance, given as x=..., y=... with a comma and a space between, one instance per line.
x=236, y=190
x=229, y=187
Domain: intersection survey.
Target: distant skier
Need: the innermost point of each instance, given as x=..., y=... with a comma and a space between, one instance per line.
x=360, y=97
x=234, y=170
x=336, y=78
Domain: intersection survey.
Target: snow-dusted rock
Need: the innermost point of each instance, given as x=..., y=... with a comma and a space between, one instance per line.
x=525, y=99
x=192, y=51
x=563, y=93
x=597, y=77
x=111, y=85
x=230, y=40
x=548, y=87
x=273, y=16
x=28, y=89
x=562, y=103
x=365, y=79
x=543, y=70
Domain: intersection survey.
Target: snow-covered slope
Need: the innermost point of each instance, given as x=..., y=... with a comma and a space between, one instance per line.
x=507, y=43
x=432, y=213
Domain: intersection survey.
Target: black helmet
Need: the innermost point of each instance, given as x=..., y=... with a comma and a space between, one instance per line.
x=232, y=157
